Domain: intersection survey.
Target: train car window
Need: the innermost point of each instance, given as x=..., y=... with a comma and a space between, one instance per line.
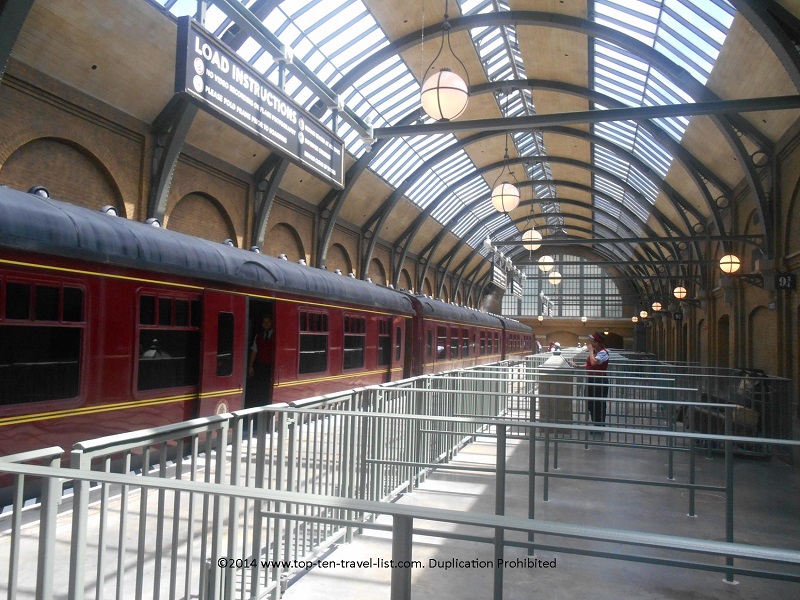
x=18, y=301
x=441, y=341
x=47, y=303
x=224, y=344
x=355, y=341
x=165, y=311
x=147, y=310
x=313, y=342
x=483, y=343
x=496, y=342
x=454, y=343
x=430, y=342
x=384, y=342
x=181, y=313
x=398, y=343
x=40, y=361
x=464, y=343
x=169, y=353
x=196, y=316
x=73, y=304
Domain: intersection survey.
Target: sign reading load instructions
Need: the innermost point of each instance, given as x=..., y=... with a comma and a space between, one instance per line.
x=214, y=75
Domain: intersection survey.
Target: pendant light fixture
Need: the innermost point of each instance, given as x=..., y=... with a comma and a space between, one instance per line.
x=729, y=264
x=444, y=94
x=546, y=263
x=529, y=239
x=505, y=195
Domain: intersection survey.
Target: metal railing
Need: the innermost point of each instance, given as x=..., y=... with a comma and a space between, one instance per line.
x=226, y=574
x=365, y=445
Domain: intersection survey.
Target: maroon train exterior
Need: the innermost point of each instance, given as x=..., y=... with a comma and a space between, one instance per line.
x=109, y=325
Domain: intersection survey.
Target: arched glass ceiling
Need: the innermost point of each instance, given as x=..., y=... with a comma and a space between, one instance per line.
x=498, y=49
x=691, y=34
x=332, y=36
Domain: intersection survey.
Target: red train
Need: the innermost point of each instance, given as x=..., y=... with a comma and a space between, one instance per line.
x=110, y=325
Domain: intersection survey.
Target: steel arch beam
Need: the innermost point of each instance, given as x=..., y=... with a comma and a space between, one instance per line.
x=459, y=269
x=404, y=240
x=696, y=169
x=730, y=126
x=432, y=246
x=169, y=130
x=379, y=217
x=475, y=251
x=267, y=177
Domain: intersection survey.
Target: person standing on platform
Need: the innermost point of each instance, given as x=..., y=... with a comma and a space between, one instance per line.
x=262, y=352
x=596, y=367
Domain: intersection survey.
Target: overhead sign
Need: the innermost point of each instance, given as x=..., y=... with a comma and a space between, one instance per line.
x=499, y=273
x=212, y=74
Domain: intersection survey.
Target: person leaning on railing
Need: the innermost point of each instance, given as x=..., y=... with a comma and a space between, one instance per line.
x=596, y=367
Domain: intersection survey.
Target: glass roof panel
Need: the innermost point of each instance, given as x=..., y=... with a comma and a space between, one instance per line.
x=690, y=33
x=333, y=36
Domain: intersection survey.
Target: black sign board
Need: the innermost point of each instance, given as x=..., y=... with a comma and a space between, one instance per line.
x=213, y=75
x=499, y=277
x=785, y=281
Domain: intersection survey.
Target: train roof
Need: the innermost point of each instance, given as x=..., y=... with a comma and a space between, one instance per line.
x=514, y=325
x=43, y=225
x=437, y=309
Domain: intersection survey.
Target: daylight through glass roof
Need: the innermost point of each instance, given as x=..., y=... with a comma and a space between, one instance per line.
x=332, y=37
x=691, y=34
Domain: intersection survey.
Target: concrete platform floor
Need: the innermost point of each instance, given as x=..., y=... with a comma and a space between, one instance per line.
x=767, y=513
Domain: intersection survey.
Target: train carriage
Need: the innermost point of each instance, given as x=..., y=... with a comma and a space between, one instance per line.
x=517, y=339
x=452, y=337
x=110, y=325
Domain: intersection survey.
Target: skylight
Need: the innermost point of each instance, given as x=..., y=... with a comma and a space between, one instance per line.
x=688, y=33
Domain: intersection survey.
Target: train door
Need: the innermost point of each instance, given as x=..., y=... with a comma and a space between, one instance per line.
x=258, y=380
x=401, y=354
x=221, y=369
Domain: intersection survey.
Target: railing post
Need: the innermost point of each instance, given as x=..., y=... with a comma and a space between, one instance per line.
x=402, y=536
x=692, y=475
x=729, y=490
x=217, y=518
x=363, y=451
x=499, y=509
x=671, y=440
x=235, y=503
x=546, y=485
x=531, y=482
x=51, y=492
x=80, y=515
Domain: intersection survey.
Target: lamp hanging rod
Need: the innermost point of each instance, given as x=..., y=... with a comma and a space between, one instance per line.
x=544, y=276
x=748, y=239
x=533, y=262
x=595, y=116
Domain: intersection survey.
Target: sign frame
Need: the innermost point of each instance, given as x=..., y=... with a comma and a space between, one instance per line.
x=212, y=76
